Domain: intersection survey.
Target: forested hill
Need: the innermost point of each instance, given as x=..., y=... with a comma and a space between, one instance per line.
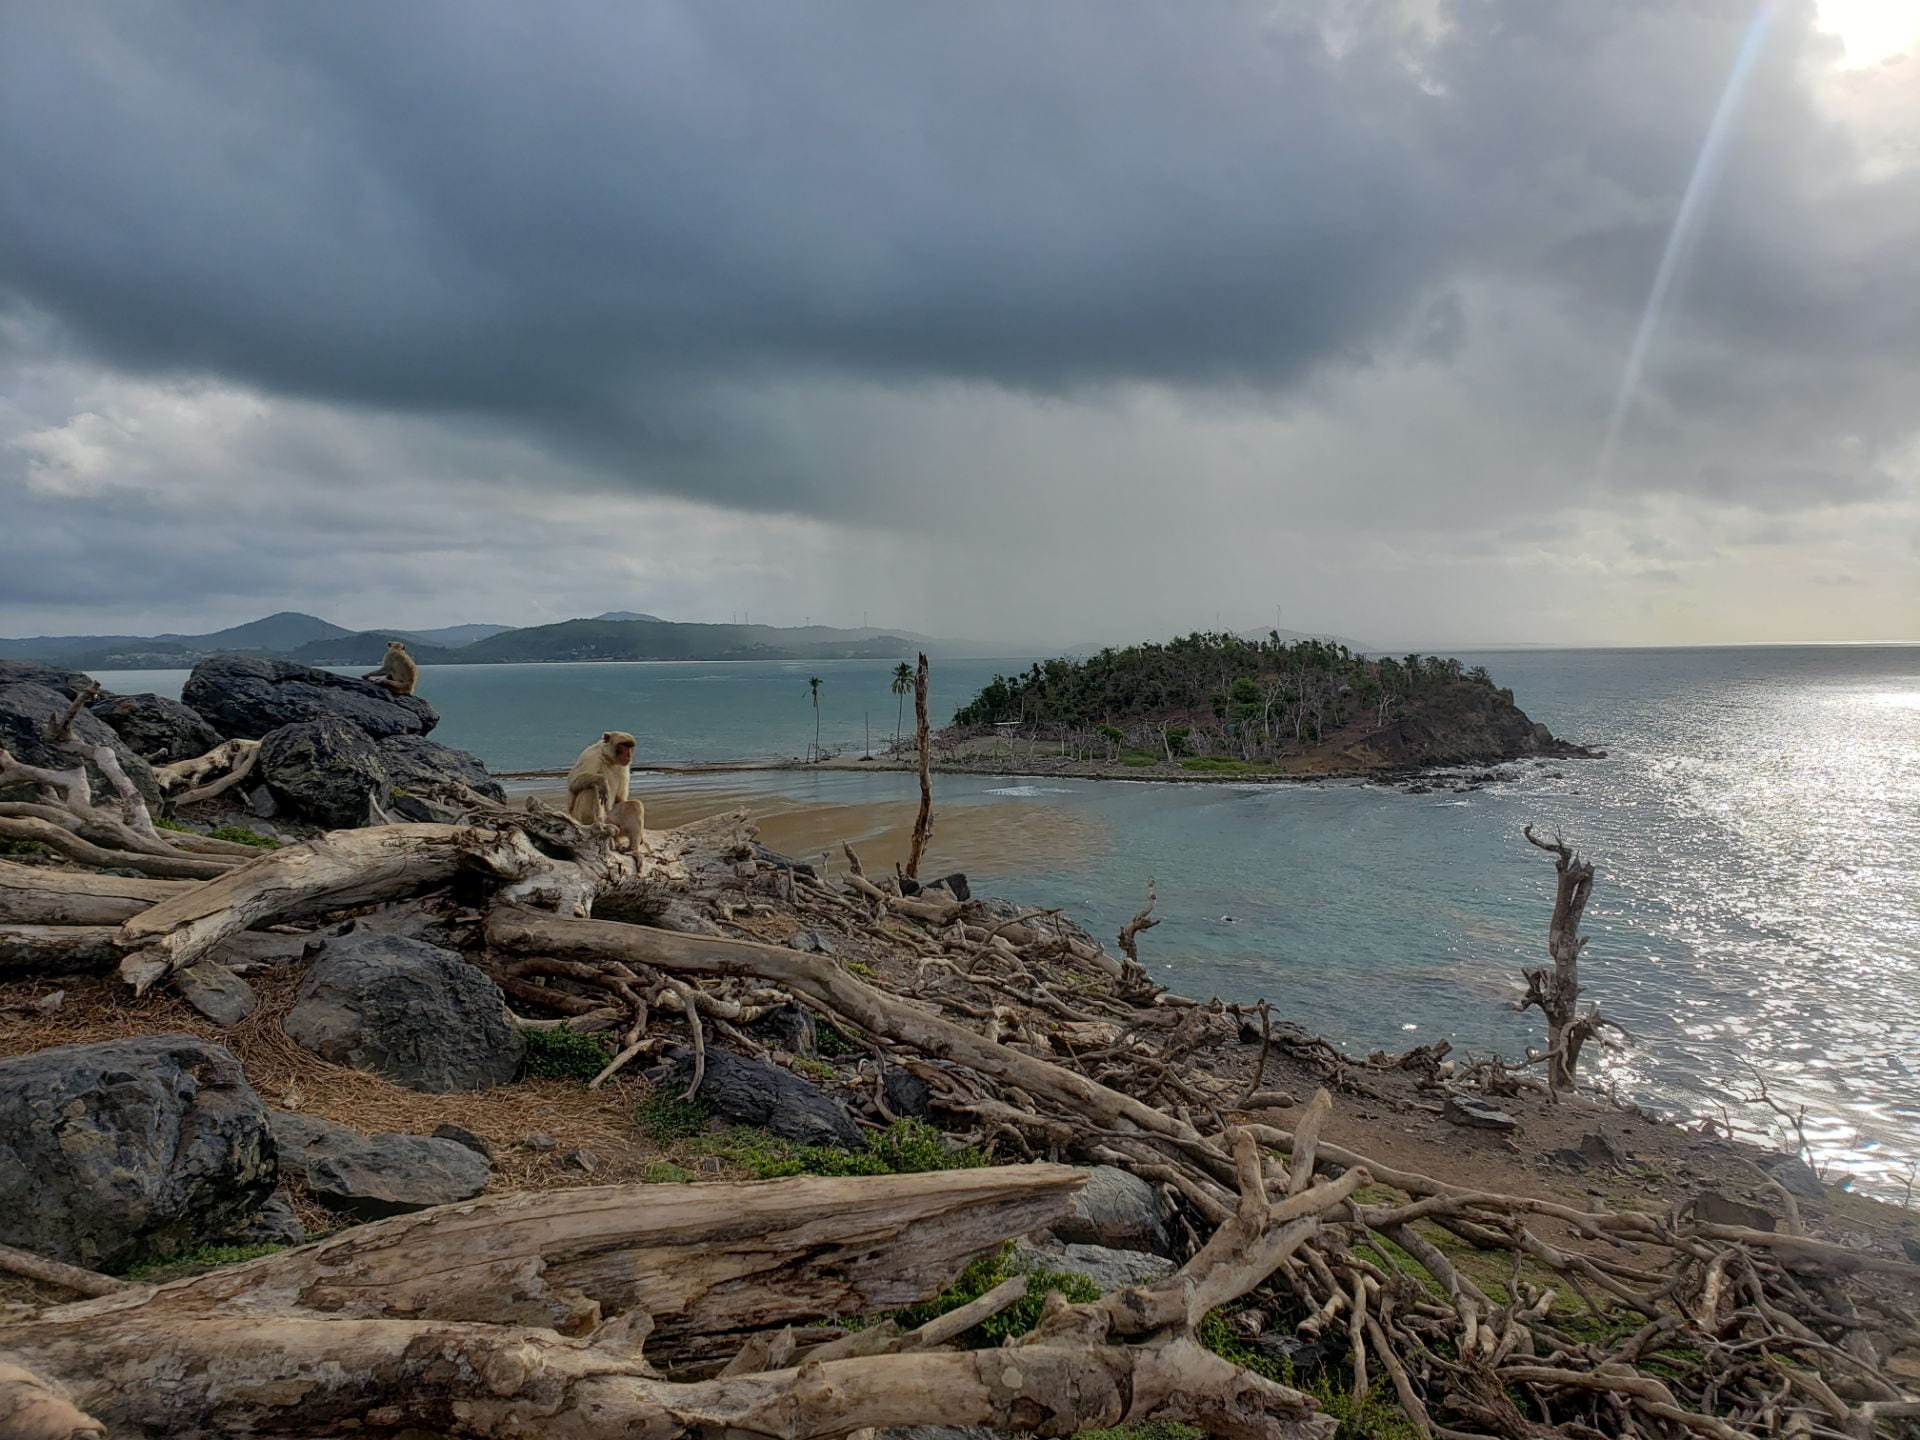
x=1266, y=702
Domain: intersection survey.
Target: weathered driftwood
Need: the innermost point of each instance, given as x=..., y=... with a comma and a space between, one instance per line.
x=524, y=1318
x=28, y=950
x=37, y=895
x=335, y=871
x=1557, y=991
x=236, y=757
x=57, y=837
x=923, y=817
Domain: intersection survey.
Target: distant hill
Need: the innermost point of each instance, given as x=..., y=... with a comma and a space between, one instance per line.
x=272, y=635
x=616, y=635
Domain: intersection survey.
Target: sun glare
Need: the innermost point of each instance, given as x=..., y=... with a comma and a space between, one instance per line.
x=1872, y=31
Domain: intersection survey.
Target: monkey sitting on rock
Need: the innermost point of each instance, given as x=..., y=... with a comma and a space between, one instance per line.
x=597, y=788
x=398, y=671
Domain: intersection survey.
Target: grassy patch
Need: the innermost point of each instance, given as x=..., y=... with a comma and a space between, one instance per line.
x=1018, y=1318
x=22, y=847
x=664, y=1173
x=1146, y=1430
x=1138, y=759
x=565, y=1055
x=831, y=1043
x=1218, y=765
x=858, y=967
x=817, y=1071
x=172, y=825
x=240, y=835
x=906, y=1147
x=666, y=1117
x=206, y=1257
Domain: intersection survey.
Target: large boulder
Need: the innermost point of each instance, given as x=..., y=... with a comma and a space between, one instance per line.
x=31, y=672
x=160, y=730
x=1117, y=1210
x=373, y=1176
x=28, y=708
x=419, y=1015
x=756, y=1093
x=245, y=697
x=324, y=771
x=414, y=762
x=124, y=1149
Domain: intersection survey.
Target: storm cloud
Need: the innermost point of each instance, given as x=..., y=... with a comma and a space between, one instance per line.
x=965, y=316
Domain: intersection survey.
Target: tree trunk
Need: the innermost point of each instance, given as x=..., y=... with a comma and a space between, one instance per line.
x=1557, y=992
x=30, y=895
x=923, y=821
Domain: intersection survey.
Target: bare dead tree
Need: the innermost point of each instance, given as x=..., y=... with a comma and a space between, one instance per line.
x=923, y=822
x=1557, y=991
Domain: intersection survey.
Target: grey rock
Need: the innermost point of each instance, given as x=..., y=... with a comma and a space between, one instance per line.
x=1598, y=1149
x=1710, y=1207
x=216, y=992
x=419, y=1015
x=158, y=729
x=781, y=862
x=460, y=1135
x=26, y=712
x=372, y=1176
x=756, y=1093
x=581, y=1159
x=422, y=812
x=51, y=1002
x=1568, y=1157
x=326, y=772
x=124, y=1149
x=789, y=1027
x=260, y=800
x=31, y=672
x=274, y=1223
x=539, y=1142
x=1911, y=1247
x=954, y=884
x=1117, y=1210
x=1477, y=1114
x=413, y=762
x=811, y=942
x=246, y=697
x=1107, y=1268
x=1796, y=1177
x=905, y=1093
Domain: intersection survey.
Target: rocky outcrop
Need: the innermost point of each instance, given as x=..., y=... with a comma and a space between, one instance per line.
x=1461, y=723
x=326, y=772
x=160, y=730
x=246, y=697
x=413, y=762
x=372, y=1176
x=124, y=1149
x=31, y=672
x=419, y=1015
x=756, y=1093
x=28, y=708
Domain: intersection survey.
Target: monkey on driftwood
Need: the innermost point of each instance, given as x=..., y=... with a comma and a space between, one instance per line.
x=398, y=671
x=597, y=784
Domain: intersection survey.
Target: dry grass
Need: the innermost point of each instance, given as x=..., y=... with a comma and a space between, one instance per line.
x=289, y=1077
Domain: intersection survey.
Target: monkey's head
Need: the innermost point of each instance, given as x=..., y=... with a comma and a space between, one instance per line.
x=399, y=645
x=618, y=746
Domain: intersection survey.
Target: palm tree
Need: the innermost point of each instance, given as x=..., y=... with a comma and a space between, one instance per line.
x=813, y=689
x=902, y=687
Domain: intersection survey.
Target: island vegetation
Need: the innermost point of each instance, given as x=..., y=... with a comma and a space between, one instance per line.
x=1210, y=703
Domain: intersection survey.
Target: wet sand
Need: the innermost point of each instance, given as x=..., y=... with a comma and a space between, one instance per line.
x=980, y=838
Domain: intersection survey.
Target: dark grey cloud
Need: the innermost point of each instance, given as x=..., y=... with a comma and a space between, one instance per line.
x=1339, y=269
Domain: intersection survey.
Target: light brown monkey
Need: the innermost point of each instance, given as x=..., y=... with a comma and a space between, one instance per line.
x=397, y=671
x=598, y=781
x=629, y=817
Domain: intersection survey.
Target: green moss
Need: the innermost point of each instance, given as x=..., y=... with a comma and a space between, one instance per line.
x=666, y=1117
x=831, y=1043
x=815, y=1070
x=240, y=835
x=565, y=1055
x=1146, y=1430
x=22, y=847
x=191, y=1262
x=664, y=1173
x=172, y=825
x=858, y=967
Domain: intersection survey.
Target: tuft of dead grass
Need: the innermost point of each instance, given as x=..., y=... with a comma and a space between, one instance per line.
x=290, y=1077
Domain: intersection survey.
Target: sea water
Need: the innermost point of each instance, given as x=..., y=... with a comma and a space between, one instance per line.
x=1755, y=829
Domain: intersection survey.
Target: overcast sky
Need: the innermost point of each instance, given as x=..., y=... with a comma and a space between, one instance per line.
x=1055, y=321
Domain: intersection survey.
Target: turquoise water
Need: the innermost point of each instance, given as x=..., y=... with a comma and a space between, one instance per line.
x=1756, y=828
